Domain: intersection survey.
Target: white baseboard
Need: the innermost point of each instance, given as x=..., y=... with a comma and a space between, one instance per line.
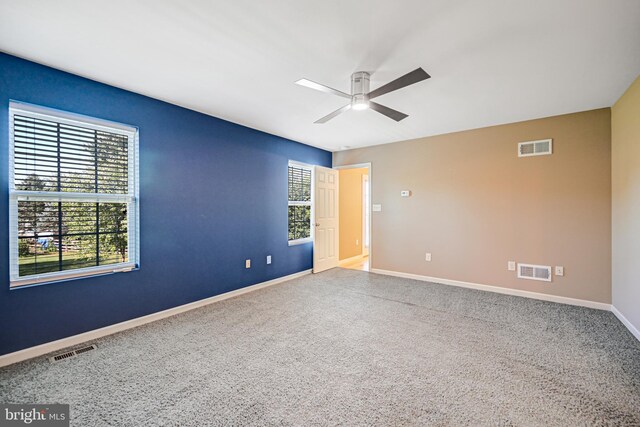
x=39, y=350
x=626, y=322
x=498, y=289
x=350, y=260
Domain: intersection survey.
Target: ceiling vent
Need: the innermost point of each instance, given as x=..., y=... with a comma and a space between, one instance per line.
x=535, y=148
x=72, y=353
x=534, y=272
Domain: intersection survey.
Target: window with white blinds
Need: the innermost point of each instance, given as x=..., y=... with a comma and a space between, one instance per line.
x=299, y=203
x=73, y=194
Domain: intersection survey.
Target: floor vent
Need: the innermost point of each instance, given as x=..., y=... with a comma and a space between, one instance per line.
x=85, y=349
x=534, y=272
x=73, y=353
x=535, y=148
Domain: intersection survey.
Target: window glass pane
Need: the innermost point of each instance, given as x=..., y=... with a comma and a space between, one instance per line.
x=78, y=218
x=51, y=156
x=292, y=223
x=112, y=163
x=35, y=154
x=299, y=184
x=78, y=251
x=77, y=159
x=92, y=234
x=303, y=220
x=37, y=256
x=37, y=237
x=299, y=222
x=37, y=219
x=114, y=237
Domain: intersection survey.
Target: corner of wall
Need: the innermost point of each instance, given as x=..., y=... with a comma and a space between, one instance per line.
x=625, y=207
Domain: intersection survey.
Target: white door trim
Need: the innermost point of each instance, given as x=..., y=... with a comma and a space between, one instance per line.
x=370, y=174
x=366, y=231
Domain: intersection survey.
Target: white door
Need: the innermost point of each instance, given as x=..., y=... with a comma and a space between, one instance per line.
x=325, y=240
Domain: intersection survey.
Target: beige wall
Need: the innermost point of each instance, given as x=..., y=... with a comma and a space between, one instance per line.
x=351, y=212
x=476, y=205
x=625, y=127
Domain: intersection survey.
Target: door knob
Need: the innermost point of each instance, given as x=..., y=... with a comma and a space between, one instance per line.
x=317, y=224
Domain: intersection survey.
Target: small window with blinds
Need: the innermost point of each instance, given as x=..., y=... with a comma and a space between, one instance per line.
x=299, y=203
x=73, y=194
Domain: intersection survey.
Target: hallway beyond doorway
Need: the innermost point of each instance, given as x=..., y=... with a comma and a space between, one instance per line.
x=355, y=217
x=361, y=264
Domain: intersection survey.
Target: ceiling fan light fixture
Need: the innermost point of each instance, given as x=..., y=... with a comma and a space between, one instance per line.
x=360, y=102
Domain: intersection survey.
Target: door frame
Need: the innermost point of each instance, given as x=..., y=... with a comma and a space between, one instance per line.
x=366, y=229
x=370, y=168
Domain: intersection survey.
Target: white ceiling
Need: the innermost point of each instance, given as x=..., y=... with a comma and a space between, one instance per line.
x=491, y=61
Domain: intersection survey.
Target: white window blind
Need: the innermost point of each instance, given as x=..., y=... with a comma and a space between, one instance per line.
x=73, y=196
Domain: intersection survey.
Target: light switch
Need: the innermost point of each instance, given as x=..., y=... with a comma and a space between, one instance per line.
x=247, y=264
x=268, y=259
x=376, y=208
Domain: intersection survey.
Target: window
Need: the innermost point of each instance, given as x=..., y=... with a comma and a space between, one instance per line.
x=73, y=194
x=299, y=203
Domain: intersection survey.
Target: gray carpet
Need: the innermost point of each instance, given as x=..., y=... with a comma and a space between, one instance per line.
x=351, y=348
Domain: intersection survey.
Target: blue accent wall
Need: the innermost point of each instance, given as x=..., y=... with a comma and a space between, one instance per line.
x=212, y=194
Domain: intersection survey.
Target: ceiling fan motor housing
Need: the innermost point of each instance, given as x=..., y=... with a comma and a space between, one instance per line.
x=359, y=90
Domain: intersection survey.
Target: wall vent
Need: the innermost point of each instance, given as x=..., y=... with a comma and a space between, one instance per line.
x=535, y=148
x=73, y=353
x=534, y=272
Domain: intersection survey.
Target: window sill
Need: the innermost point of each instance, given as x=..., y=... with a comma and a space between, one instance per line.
x=300, y=241
x=47, y=278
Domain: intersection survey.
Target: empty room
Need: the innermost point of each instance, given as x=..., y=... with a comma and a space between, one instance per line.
x=292, y=213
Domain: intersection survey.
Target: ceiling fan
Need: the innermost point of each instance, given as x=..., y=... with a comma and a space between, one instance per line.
x=361, y=96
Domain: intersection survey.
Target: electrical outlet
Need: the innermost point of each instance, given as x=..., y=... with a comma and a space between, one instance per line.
x=268, y=259
x=247, y=264
x=427, y=257
x=559, y=271
x=511, y=266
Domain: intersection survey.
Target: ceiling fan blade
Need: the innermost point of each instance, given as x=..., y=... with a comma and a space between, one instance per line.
x=321, y=88
x=389, y=112
x=332, y=115
x=415, y=76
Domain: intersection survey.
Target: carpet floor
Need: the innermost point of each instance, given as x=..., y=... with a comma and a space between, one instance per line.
x=351, y=348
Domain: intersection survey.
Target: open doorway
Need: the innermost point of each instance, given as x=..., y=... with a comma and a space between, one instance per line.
x=355, y=217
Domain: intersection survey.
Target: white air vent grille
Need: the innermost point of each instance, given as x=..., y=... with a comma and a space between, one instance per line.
x=534, y=272
x=535, y=148
x=73, y=353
